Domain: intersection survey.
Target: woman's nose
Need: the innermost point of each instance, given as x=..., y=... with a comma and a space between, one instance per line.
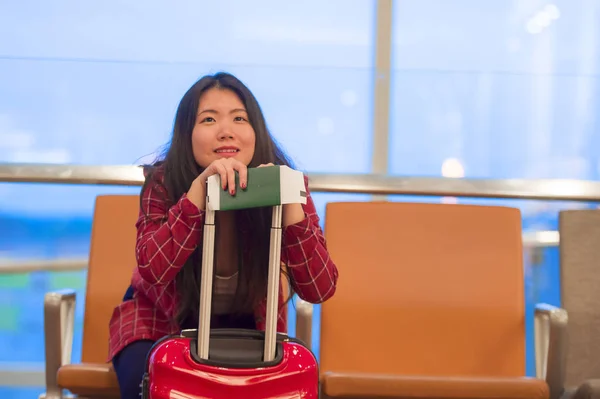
x=225, y=133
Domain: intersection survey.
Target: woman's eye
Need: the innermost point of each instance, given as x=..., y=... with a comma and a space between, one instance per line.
x=239, y=119
x=208, y=119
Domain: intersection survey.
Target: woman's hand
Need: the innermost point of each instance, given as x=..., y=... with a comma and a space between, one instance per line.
x=226, y=168
x=292, y=213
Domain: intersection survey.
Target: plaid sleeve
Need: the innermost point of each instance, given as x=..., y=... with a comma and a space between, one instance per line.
x=305, y=253
x=166, y=235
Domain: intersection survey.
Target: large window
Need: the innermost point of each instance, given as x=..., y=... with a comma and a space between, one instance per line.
x=507, y=88
x=98, y=84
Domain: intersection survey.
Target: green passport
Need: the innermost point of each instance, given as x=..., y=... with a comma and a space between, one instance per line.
x=267, y=186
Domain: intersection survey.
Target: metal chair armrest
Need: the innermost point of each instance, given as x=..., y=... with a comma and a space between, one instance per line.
x=59, y=326
x=551, y=346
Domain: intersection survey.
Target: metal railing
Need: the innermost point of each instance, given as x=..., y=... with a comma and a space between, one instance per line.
x=550, y=190
x=46, y=265
x=539, y=189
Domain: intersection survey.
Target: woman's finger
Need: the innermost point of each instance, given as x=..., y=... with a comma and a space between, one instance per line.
x=230, y=177
x=222, y=171
x=243, y=171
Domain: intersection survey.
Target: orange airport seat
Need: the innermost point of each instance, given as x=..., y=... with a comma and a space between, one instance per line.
x=111, y=262
x=430, y=304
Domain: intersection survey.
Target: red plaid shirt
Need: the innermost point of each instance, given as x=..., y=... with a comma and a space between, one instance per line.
x=168, y=235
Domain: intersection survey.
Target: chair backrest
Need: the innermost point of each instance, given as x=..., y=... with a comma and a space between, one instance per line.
x=111, y=263
x=580, y=291
x=425, y=289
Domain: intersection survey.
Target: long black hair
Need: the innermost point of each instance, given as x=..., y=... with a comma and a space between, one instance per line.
x=180, y=168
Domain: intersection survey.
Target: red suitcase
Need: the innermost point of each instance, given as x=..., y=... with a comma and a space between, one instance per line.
x=245, y=364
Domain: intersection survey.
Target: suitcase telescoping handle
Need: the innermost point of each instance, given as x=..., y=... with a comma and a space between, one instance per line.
x=267, y=186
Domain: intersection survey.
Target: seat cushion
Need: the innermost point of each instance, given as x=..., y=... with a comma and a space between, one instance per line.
x=89, y=379
x=348, y=385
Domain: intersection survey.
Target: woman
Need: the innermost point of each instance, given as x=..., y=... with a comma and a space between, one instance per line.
x=219, y=129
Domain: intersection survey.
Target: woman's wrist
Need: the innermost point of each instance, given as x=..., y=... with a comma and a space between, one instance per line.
x=197, y=195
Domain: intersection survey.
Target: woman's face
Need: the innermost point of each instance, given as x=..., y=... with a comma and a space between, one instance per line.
x=222, y=129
